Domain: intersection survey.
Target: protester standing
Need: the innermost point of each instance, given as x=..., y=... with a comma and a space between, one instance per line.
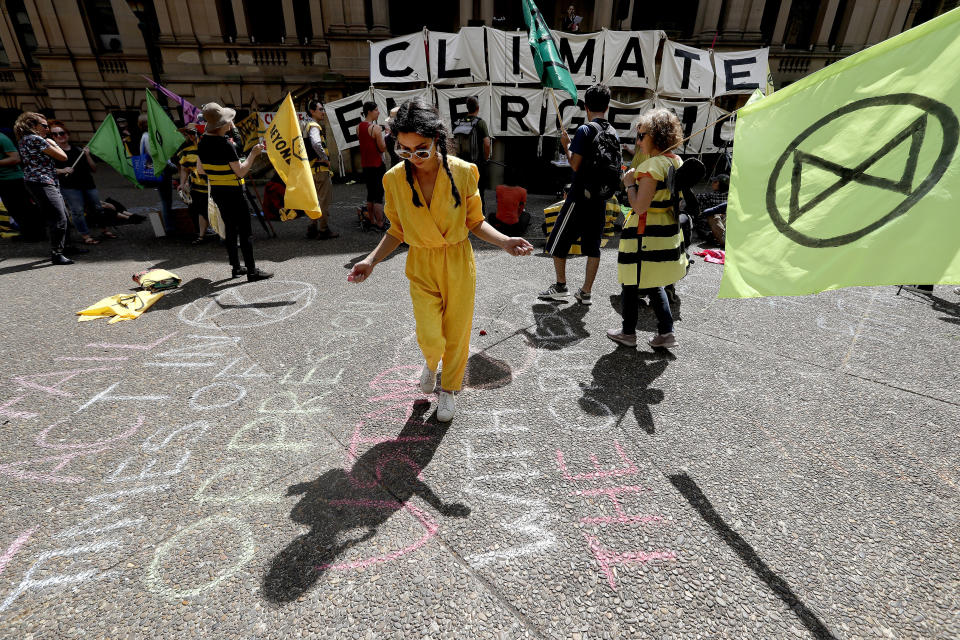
x=322, y=173
x=165, y=187
x=433, y=203
x=583, y=213
x=193, y=183
x=76, y=183
x=651, y=254
x=225, y=174
x=390, y=138
x=372, y=147
x=38, y=153
x=473, y=142
x=14, y=194
x=571, y=21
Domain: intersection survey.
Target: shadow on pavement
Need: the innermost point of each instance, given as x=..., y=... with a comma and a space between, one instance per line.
x=557, y=327
x=486, y=372
x=689, y=490
x=345, y=508
x=26, y=266
x=621, y=381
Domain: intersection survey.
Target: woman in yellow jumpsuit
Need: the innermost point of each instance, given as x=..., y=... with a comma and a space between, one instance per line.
x=432, y=202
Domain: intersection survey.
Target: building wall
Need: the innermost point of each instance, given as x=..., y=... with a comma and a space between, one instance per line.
x=76, y=80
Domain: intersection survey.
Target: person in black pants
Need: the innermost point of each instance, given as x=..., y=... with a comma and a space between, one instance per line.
x=225, y=173
x=37, y=154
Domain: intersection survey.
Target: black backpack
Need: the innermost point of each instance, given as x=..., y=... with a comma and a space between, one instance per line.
x=680, y=182
x=603, y=175
x=469, y=147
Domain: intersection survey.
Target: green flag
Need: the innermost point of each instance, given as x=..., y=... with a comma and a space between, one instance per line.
x=849, y=176
x=164, y=138
x=107, y=144
x=550, y=67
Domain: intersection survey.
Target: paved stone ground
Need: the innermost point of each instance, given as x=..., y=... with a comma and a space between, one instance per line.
x=254, y=460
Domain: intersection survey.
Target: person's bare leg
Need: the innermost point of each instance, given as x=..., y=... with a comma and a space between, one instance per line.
x=378, y=214
x=593, y=265
x=560, y=266
x=371, y=212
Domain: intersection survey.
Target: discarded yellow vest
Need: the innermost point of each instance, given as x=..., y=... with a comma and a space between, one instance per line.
x=123, y=306
x=157, y=279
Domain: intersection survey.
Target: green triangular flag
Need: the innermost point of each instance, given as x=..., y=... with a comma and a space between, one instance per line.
x=164, y=139
x=550, y=67
x=107, y=144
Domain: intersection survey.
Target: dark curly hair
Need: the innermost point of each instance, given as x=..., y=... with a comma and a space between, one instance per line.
x=422, y=118
x=663, y=127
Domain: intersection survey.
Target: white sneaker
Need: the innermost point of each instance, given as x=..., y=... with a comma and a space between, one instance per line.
x=446, y=406
x=428, y=380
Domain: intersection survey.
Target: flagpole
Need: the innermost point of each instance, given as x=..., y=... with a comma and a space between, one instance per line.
x=82, y=153
x=556, y=106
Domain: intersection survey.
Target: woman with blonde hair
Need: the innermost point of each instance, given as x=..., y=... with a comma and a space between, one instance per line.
x=37, y=154
x=651, y=253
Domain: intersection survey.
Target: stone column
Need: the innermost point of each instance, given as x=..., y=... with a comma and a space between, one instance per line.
x=240, y=19
x=130, y=35
x=333, y=12
x=486, y=11
x=316, y=18
x=708, y=20
x=822, y=39
x=381, y=17
x=881, y=21
x=602, y=12
x=289, y=22
x=164, y=21
x=781, y=27
x=904, y=8
x=355, y=16
x=755, y=19
x=860, y=21
x=466, y=12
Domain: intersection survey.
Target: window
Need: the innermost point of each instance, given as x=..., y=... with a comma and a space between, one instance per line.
x=678, y=18
x=264, y=21
x=228, y=24
x=23, y=28
x=4, y=60
x=802, y=23
x=301, y=15
x=102, y=25
x=442, y=16
x=768, y=22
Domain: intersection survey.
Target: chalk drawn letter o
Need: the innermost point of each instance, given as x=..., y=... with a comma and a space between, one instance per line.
x=195, y=398
x=154, y=580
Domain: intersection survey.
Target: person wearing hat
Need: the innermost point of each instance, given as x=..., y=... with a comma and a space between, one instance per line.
x=225, y=174
x=193, y=183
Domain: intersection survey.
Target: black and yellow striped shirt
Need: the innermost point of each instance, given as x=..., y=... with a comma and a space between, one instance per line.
x=187, y=157
x=215, y=155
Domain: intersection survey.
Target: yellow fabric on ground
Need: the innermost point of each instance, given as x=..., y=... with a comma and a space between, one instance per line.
x=123, y=306
x=440, y=264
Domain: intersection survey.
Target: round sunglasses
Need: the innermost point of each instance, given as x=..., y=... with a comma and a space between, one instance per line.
x=422, y=154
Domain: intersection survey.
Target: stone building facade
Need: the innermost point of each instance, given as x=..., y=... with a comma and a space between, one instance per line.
x=78, y=60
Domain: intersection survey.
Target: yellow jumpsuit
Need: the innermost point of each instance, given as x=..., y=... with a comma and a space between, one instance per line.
x=440, y=263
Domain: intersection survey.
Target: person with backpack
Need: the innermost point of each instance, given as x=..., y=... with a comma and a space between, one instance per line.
x=651, y=243
x=595, y=158
x=472, y=138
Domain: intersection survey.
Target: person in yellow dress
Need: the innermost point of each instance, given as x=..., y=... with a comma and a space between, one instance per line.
x=432, y=202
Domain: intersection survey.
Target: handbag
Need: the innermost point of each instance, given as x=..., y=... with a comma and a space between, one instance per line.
x=143, y=170
x=214, y=217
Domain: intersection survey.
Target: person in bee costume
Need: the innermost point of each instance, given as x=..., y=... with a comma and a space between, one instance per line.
x=433, y=203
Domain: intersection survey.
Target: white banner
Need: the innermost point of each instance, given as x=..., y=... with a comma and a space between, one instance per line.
x=623, y=117
x=573, y=115
x=628, y=58
x=693, y=117
x=343, y=117
x=516, y=111
x=453, y=104
x=510, y=57
x=458, y=58
x=402, y=59
x=583, y=55
x=720, y=135
x=387, y=100
x=685, y=72
x=741, y=71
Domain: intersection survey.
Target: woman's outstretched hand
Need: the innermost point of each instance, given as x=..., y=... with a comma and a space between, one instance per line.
x=360, y=272
x=517, y=247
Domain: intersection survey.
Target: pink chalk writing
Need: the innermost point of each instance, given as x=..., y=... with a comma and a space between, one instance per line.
x=622, y=517
x=428, y=523
x=95, y=358
x=26, y=469
x=5, y=409
x=609, y=559
x=14, y=547
x=133, y=347
x=628, y=469
x=33, y=381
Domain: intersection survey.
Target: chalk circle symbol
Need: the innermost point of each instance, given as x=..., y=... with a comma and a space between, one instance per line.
x=240, y=394
x=951, y=133
x=155, y=581
x=251, y=305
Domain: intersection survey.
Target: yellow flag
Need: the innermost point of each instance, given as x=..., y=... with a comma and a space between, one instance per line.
x=287, y=153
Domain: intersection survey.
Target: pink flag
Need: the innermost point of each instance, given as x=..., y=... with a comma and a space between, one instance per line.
x=190, y=112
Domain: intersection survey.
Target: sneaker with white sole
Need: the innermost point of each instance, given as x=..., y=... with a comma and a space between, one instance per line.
x=555, y=292
x=428, y=380
x=664, y=340
x=446, y=406
x=583, y=297
x=626, y=339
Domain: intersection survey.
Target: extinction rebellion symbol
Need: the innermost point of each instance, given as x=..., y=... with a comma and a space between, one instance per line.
x=909, y=185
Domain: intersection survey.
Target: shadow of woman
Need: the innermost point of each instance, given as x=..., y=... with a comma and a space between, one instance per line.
x=557, y=328
x=621, y=381
x=345, y=508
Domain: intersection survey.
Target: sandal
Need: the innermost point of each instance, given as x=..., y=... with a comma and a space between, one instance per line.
x=89, y=240
x=110, y=235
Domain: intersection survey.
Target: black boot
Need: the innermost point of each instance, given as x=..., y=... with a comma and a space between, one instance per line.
x=258, y=274
x=59, y=258
x=239, y=271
